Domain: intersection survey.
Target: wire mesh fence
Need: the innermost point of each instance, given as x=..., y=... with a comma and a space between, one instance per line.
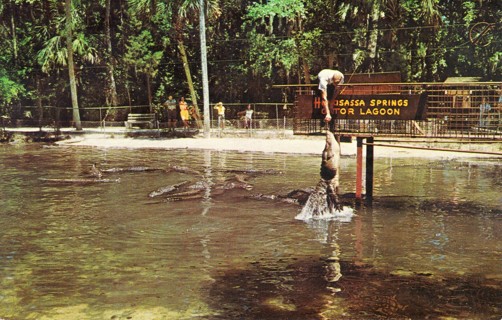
x=265, y=116
x=457, y=110
x=452, y=110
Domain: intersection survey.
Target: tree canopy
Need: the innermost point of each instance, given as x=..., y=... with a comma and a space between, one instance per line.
x=137, y=52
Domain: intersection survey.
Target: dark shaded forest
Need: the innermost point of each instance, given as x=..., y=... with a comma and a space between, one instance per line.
x=137, y=52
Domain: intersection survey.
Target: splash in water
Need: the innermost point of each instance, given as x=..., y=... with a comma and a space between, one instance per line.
x=319, y=207
x=323, y=203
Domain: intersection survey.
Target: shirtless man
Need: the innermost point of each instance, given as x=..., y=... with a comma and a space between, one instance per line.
x=328, y=77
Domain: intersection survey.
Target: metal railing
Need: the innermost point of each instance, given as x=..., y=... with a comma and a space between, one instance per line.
x=266, y=116
x=457, y=110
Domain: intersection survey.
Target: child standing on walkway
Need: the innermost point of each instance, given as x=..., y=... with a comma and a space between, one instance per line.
x=248, y=116
x=221, y=115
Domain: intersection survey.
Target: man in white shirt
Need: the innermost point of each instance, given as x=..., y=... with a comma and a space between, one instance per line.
x=328, y=77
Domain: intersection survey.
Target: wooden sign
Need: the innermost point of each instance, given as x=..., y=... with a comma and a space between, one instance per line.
x=373, y=107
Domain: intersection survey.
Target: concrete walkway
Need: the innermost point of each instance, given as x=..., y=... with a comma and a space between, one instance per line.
x=274, y=141
x=268, y=141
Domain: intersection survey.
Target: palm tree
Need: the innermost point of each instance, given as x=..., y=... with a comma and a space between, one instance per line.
x=182, y=11
x=110, y=62
x=55, y=53
x=71, y=65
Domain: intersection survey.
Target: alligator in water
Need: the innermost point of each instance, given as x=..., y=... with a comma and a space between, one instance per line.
x=254, y=172
x=189, y=191
x=330, y=171
x=298, y=196
x=166, y=189
x=173, y=168
x=185, y=170
x=79, y=180
x=95, y=171
x=324, y=196
x=131, y=169
x=198, y=190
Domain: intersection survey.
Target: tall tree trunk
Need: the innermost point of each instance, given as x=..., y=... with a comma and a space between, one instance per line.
x=373, y=35
x=306, y=71
x=39, y=105
x=111, y=64
x=128, y=89
x=186, y=66
x=71, y=66
x=14, y=34
x=203, y=59
x=149, y=92
x=332, y=61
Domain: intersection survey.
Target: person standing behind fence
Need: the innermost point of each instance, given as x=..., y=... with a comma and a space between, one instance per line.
x=221, y=115
x=498, y=108
x=248, y=117
x=328, y=77
x=172, y=116
x=484, y=108
x=184, y=115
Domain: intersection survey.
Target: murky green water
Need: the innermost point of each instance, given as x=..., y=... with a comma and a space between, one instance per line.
x=430, y=246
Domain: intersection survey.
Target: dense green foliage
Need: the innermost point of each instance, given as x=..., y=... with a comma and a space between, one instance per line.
x=128, y=52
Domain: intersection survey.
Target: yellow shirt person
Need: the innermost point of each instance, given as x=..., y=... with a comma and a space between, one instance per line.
x=221, y=114
x=184, y=112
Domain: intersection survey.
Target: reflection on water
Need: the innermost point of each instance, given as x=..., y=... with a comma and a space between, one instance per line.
x=430, y=246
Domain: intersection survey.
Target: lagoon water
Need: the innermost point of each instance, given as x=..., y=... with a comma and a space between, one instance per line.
x=430, y=245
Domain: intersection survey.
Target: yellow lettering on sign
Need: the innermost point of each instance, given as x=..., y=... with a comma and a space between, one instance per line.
x=344, y=111
x=349, y=103
x=379, y=112
x=389, y=102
